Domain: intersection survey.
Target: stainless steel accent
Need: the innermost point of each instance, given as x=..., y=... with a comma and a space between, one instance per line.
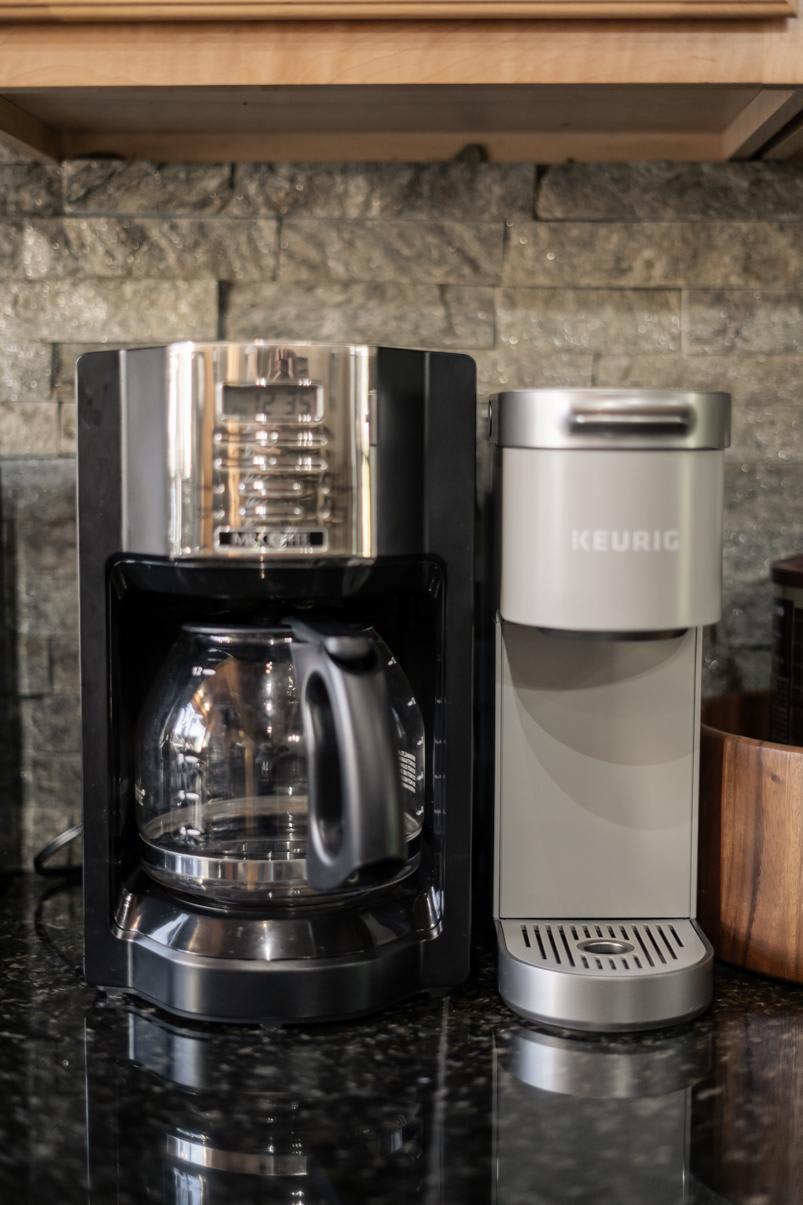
x=655, y=420
x=546, y=975
x=253, y=880
x=606, y=418
x=250, y=1163
x=145, y=436
x=586, y=1070
x=249, y=449
x=600, y=1122
x=164, y=924
x=606, y=947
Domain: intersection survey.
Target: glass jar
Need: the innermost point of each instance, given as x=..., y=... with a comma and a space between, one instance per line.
x=279, y=764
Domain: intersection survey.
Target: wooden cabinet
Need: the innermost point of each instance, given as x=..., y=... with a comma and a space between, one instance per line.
x=338, y=10
x=515, y=90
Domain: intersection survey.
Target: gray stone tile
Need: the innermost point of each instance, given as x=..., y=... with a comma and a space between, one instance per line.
x=401, y=313
x=749, y=551
x=51, y=725
x=67, y=442
x=663, y=191
x=109, y=187
x=130, y=311
x=64, y=666
x=29, y=429
x=727, y=667
x=769, y=432
x=11, y=237
x=62, y=775
x=763, y=509
x=754, y=380
x=148, y=248
x=52, y=801
x=25, y=370
x=38, y=545
x=589, y=320
x=745, y=254
x=764, y=495
x=523, y=367
x=48, y=547
x=442, y=191
x=746, y=615
x=29, y=188
x=650, y=254
x=440, y=252
x=447, y=191
x=593, y=254
x=50, y=609
x=32, y=665
x=38, y=491
x=744, y=320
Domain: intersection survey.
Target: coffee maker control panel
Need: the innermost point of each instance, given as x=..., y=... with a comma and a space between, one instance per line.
x=266, y=451
x=271, y=483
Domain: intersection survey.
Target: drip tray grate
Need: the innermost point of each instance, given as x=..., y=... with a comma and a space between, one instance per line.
x=616, y=948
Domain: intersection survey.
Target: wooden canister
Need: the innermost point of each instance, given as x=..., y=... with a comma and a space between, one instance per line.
x=751, y=838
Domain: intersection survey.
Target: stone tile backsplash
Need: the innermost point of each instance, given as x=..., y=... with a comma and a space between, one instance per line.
x=687, y=275
x=661, y=192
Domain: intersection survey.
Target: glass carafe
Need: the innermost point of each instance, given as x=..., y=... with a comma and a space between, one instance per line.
x=280, y=763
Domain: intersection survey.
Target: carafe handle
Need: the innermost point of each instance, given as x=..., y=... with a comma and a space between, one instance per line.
x=355, y=799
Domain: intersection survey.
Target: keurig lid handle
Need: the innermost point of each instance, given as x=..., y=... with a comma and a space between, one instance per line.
x=641, y=419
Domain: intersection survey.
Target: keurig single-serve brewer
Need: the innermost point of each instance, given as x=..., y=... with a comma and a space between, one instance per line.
x=609, y=558
x=276, y=583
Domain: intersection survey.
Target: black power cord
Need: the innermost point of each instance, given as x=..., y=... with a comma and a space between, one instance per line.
x=42, y=858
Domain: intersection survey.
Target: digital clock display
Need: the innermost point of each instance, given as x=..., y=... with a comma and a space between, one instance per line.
x=281, y=401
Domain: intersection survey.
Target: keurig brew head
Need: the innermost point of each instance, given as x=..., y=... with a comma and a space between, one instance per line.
x=611, y=505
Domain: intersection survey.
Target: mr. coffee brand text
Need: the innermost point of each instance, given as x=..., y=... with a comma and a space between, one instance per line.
x=270, y=539
x=603, y=539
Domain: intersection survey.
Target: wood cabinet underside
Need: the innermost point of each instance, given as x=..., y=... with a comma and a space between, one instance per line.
x=508, y=91
x=534, y=124
x=394, y=10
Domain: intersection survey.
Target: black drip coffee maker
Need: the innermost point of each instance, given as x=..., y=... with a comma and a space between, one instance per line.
x=274, y=543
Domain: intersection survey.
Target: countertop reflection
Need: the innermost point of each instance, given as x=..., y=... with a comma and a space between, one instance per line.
x=441, y=1100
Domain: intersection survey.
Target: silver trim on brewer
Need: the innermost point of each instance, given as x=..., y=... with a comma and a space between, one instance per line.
x=250, y=875
x=249, y=450
x=249, y=1163
x=547, y=987
x=597, y=1071
x=249, y=880
x=610, y=418
x=268, y=937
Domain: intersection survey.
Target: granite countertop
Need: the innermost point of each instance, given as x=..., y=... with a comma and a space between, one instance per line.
x=440, y=1100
